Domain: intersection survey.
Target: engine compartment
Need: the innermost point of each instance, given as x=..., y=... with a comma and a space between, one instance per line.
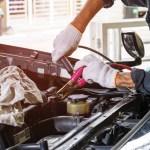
x=90, y=118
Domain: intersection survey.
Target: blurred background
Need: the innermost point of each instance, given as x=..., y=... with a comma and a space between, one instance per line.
x=34, y=24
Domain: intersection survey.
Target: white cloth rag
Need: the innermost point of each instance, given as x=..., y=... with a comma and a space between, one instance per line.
x=16, y=86
x=141, y=143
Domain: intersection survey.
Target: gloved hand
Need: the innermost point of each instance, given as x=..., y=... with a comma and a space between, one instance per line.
x=66, y=42
x=97, y=71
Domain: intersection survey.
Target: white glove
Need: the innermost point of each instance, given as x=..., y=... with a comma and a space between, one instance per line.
x=97, y=71
x=66, y=42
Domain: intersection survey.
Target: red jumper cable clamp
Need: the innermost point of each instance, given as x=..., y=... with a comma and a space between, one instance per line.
x=75, y=82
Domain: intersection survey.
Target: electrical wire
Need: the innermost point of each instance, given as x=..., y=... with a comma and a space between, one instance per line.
x=92, y=50
x=111, y=61
x=120, y=66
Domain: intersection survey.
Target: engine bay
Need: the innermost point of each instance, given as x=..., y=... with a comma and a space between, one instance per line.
x=90, y=118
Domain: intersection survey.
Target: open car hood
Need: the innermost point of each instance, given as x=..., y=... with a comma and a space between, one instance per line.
x=113, y=117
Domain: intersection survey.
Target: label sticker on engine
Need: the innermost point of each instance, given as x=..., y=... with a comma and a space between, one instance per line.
x=21, y=136
x=40, y=70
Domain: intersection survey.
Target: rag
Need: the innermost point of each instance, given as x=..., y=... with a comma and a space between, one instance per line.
x=16, y=87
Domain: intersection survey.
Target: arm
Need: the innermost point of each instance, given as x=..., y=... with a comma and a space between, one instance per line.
x=68, y=40
x=138, y=79
x=87, y=13
x=123, y=79
x=99, y=72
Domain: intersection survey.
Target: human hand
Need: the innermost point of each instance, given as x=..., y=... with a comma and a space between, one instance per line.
x=66, y=42
x=97, y=71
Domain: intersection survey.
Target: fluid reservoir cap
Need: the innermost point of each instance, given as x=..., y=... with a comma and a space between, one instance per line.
x=77, y=98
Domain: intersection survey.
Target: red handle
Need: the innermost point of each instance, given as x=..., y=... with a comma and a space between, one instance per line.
x=77, y=74
x=81, y=82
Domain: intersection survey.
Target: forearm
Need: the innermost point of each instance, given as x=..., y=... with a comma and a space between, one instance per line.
x=123, y=79
x=87, y=13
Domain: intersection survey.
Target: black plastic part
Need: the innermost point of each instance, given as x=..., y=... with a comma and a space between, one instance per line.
x=108, y=3
x=68, y=66
x=136, y=62
x=132, y=132
x=133, y=44
x=26, y=147
x=43, y=145
x=66, y=123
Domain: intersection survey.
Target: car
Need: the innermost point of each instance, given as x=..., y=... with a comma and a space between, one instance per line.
x=87, y=118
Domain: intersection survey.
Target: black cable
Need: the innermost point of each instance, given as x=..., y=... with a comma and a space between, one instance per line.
x=100, y=54
x=25, y=147
x=111, y=61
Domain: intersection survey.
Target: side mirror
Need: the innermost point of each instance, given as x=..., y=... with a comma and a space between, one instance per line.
x=133, y=44
x=134, y=47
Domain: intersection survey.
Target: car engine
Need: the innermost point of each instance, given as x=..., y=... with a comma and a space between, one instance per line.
x=90, y=118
